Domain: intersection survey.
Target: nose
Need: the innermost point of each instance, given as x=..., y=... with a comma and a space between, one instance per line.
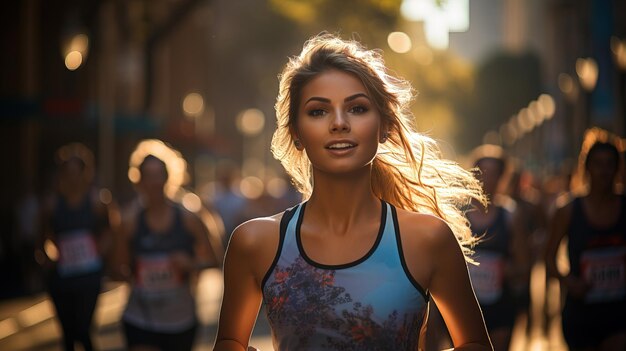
x=339, y=123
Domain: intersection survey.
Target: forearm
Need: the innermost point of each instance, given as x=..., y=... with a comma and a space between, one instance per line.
x=475, y=347
x=228, y=345
x=551, y=265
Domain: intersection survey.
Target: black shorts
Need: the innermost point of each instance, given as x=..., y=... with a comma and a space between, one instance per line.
x=588, y=325
x=183, y=340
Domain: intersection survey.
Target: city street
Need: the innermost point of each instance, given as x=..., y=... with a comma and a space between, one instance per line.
x=28, y=324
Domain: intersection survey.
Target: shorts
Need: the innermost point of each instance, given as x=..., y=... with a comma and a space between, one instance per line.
x=588, y=325
x=183, y=340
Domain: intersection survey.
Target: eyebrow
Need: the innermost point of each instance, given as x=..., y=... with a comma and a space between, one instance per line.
x=348, y=99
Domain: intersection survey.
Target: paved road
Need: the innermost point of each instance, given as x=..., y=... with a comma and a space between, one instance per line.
x=28, y=324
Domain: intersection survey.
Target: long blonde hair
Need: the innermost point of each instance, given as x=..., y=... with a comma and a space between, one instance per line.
x=408, y=170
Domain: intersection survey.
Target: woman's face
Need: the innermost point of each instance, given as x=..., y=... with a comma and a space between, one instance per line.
x=602, y=168
x=153, y=179
x=72, y=172
x=337, y=123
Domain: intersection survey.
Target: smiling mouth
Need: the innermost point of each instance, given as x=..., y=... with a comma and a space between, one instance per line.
x=341, y=146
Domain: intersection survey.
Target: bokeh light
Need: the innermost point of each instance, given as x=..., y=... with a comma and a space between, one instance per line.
x=619, y=50
x=568, y=86
x=105, y=196
x=80, y=43
x=192, y=202
x=193, y=105
x=251, y=187
x=73, y=60
x=399, y=42
x=51, y=250
x=548, y=106
x=251, y=121
x=587, y=70
x=277, y=187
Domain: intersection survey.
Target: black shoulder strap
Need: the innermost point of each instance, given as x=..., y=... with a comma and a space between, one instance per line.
x=284, y=222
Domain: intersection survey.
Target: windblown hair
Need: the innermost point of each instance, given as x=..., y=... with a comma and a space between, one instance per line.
x=408, y=170
x=596, y=139
x=490, y=152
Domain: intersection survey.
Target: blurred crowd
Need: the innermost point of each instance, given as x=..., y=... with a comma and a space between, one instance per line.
x=552, y=249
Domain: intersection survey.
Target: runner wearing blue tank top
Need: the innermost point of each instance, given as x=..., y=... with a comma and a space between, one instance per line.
x=161, y=245
x=379, y=236
x=594, y=224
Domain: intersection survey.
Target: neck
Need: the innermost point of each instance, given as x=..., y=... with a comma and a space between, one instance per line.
x=156, y=205
x=73, y=193
x=600, y=194
x=342, y=199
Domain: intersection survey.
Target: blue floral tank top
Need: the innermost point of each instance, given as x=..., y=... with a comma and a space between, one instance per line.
x=370, y=304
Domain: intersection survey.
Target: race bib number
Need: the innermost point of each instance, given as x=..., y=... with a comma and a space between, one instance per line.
x=156, y=274
x=604, y=269
x=487, y=278
x=77, y=253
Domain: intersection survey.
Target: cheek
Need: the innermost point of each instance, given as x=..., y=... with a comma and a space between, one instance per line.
x=374, y=132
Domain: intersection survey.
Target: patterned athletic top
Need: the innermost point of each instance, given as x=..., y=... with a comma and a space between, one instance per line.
x=370, y=304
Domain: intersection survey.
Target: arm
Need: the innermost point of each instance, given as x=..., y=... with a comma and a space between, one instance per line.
x=44, y=234
x=204, y=253
x=120, y=260
x=451, y=289
x=249, y=255
x=557, y=231
x=520, y=251
x=104, y=233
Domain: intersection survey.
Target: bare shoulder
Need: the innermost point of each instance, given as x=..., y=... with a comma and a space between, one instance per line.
x=564, y=204
x=425, y=230
x=426, y=242
x=255, y=243
x=256, y=233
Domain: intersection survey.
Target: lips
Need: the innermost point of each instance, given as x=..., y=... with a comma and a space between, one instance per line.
x=340, y=145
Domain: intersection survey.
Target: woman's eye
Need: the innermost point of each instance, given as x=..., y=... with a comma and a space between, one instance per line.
x=358, y=109
x=316, y=112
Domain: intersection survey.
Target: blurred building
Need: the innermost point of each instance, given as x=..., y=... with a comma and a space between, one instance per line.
x=110, y=73
x=580, y=52
x=192, y=72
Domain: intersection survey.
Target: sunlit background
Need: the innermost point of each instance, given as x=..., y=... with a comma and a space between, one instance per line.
x=201, y=76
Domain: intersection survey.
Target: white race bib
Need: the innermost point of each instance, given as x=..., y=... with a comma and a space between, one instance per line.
x=605, y=270
x=488, y=277
x=77, y=253
x=156, y=274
